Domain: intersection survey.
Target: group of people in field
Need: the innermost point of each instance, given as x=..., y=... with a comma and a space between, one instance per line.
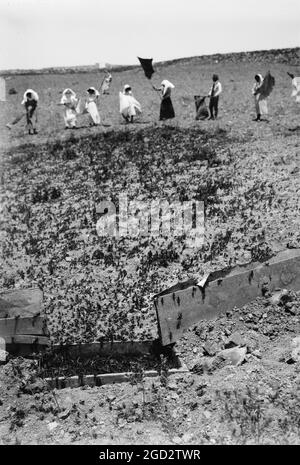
x=130, y=107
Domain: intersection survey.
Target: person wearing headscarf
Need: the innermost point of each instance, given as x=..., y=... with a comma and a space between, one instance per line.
x=260, y=100
x=295, y=86
x=214, y=95
x=129, y=106
x=166, y=106
x=91, y=106
x=70, y=102
x=30, y=102
x=106, y=84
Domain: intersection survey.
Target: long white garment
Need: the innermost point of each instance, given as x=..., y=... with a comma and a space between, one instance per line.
x=129, y=106
x=106, y=84
x=91, y=107
x=92, y=110
x=296, y=88
x=70, y=103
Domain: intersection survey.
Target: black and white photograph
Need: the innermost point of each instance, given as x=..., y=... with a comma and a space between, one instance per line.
x=149, y=226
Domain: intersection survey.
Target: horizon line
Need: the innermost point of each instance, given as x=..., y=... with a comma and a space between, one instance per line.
x=112, y=66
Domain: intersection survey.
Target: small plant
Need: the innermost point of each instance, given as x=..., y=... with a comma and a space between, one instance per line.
x=137, y=378
x=245, y=413
x=164, y=371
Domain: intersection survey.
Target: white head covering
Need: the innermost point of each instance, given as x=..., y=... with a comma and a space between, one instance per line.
x=167, y=85
x=260, y=77
x=33, y=93
x=69, y=91
x=94, y=90
x=65, y=98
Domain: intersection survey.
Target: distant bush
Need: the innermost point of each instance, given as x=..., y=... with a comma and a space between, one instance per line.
x=12, y=91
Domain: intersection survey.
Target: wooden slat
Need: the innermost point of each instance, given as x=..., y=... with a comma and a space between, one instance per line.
x=178, y=310
x=14, y=326
x=21, y=302
x=27, y=339
x=106, y=348
x=109, y=378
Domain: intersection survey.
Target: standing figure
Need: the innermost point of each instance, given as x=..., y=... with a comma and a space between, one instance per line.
x=91, y=106
x=166, y=106
x=104, y=89
x=295, y=86
x=70, y=102
x=30, y=102
x=129, y=106
x=260, y=100
x=214, y=94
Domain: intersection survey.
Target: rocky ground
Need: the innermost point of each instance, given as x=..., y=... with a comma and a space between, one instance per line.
x=243, y=388
x=243, y=385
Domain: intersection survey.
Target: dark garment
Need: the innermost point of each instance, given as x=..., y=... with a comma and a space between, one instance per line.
x=213, y=106
x=166, y=109
x=30, y=107
x=201, y=108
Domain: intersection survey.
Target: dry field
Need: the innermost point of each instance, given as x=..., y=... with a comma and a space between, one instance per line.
x=246, y=173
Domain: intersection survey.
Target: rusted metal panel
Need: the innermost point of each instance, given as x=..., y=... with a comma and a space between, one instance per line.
x=182, y=306
x=21, y=302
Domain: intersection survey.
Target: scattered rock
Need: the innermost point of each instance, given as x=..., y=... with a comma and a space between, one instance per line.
x=234, y=356
x=63, y=415
x=172, y=386
x=291, y=308
x=3, y=356
x=52, y=426
x=291, y=355
x=187, y=437
x=234, y=340
x=256, y=353
x=200, y=389
x=34, y=387
x=276, y=298
x=210, y=349
x=207, y=414
x=295, y=354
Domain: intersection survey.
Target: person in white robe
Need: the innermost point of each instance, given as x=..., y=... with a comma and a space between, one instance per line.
x=295, y=87
x=105, y=85
x=129, y=106
x=91, y=106
x=70, y=102
x=260, y=101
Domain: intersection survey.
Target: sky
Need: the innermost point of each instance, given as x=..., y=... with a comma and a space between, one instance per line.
x=44, y=33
